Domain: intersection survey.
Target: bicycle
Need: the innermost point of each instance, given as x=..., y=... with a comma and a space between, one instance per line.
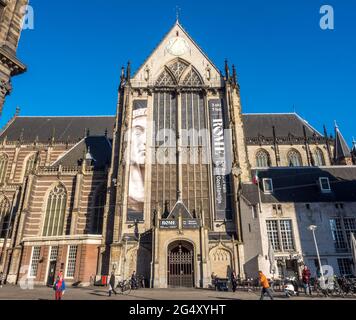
x=124, y=287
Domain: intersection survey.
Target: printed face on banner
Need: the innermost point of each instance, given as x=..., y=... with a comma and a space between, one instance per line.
x=137, y=161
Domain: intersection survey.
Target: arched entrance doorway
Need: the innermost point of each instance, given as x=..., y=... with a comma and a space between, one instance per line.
x=180, y=271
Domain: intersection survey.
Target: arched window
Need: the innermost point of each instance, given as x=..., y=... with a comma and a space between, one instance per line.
x=262, y=159
x=3, y=167
x=319, y=159
x=55, y=212
x=294, y=158
x=4, y=217
x=30, y=164
x=98, y=216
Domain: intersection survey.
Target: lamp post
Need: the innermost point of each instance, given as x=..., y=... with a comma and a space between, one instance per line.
x=312, y=228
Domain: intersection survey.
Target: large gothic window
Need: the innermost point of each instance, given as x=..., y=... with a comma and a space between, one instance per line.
x=192, y=79
x=262, y=159
x=55, y=212
x=5, y=217
x=165, y=79
x=30, y=164
x=178, y=67
x=294, y=158
x=3, y=167
x=319, y=159
x=98, y=214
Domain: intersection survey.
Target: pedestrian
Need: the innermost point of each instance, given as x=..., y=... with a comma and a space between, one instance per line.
x=306, y=274
x=112, y=284
x=233, y=281
x=214, y=280
x=1, y=278
x=59, y=287
x=133, y=280
x=265, y=286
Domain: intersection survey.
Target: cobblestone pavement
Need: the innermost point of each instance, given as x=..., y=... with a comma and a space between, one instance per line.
x=100, y=293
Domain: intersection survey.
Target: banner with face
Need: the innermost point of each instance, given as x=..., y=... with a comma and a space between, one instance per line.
x=136, y=194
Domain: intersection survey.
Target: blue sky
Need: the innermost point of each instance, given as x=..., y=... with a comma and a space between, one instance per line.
x=283, y=57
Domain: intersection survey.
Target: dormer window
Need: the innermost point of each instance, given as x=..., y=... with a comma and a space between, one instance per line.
x=324, y=184
x=267, y=186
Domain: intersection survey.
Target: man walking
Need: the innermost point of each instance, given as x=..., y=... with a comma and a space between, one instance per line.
x=1, y=278
x=112, y=284
x=265, y=286
x=306, y=274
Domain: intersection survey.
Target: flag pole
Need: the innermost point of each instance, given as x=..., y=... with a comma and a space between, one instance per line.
x=259, y=195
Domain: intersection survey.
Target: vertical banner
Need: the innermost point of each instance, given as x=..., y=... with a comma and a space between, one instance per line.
x=220, y=141
x=136, y=194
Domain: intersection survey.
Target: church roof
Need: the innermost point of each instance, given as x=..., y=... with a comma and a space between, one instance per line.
x=98, y=147
x=302, y=185
x=30, y=129
x=284, y=123
x=341, y=149
x=74, y=129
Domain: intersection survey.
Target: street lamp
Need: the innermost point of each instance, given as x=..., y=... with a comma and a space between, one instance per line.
x=312, y=228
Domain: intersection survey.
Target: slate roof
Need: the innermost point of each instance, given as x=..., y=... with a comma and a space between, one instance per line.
x=74, y=128
x=341, y=150
x=285, y=124
x=99, y=148
x=63, y=128
x=301, y=185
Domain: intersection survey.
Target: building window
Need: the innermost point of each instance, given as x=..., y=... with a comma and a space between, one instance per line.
x=280, y=235
x=324, y=184
x=98, y=216
x=5, y=217
x=262, y=159
x=267, y=185
x=337, y=233
x=71, y=261
x=3, y=167
x=287, y=235
x=350, y=227
x=344, y=267
x=36, y=251
x=54, y=253
x=30, y=164
x=319, y=159
x=55, y=212
x=273, y=234
x=294, y=158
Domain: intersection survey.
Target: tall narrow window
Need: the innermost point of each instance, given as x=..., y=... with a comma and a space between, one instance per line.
x=319, y=159
x=36, y=251
x=273, y=236
x=97, y=226
x=72, y=259
x=262, y=159
x=4, y=217
x=55, y=212
x=30, y=164
x=294, y=158
x=287, y=235
x=344, y=267
x=350, y=227
x=337, y=233
x=3, y=167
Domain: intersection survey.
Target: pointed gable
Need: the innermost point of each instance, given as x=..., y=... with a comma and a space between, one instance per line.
x=341, y=149
x=176, y=52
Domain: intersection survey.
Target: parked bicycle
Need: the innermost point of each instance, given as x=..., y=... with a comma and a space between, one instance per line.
x=124, y=287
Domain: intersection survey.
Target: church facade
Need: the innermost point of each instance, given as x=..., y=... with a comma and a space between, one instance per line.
x=166, y=186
